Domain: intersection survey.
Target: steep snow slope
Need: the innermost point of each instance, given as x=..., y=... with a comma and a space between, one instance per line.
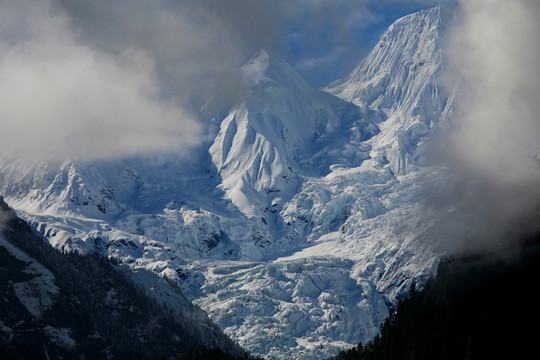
x=282, y=129
x=400, y=79
x=300, y=223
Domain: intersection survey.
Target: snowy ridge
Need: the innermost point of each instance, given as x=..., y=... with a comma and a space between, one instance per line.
x=282, y=129
x=68, y=188
x=300, y=224
x=400, y=79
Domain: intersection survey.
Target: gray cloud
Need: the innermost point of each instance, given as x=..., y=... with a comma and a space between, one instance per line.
x=494, y=55
x=62, y=98
x=190, y=44
x=496, y=52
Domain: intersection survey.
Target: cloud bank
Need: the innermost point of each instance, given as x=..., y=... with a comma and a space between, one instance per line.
x=496, y=52
x=61, y=98
x=494, y=56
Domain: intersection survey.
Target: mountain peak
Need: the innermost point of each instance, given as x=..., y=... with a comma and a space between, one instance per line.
x=268, y=69
x=256, y=66
x=409, y=43
x=423, y=20
x=400, y=80
x=282, y=127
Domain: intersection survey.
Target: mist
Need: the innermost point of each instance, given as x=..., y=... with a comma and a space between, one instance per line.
x=63, y=98
x=492, y=196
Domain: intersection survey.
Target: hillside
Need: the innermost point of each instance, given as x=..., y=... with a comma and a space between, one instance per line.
x=71, y=306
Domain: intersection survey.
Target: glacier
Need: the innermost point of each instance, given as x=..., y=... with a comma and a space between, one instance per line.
x=300, y=222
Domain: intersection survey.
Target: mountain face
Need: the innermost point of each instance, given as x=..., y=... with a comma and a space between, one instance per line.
x=401, y=79
x=283, y=129
x=299, y=224
x=73, y=306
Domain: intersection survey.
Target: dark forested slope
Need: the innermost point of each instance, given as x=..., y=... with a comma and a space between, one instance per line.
x=477, y=307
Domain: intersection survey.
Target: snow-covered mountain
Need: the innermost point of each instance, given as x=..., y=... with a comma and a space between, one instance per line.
x=300, y=223
x=283, y=129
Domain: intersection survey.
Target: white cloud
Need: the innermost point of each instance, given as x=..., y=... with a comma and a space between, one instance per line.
x=63, y=99
x=493, y=200
x=189, y=43
x=496, y=53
